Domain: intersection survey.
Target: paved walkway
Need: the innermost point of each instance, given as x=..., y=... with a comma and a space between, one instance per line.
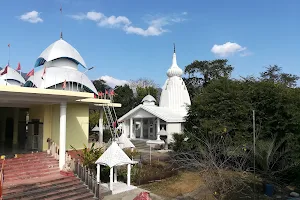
x=131, y=195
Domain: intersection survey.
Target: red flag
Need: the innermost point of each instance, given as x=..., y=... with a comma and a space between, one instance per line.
x=95, y=96
x=106, y=92
x=100, y=94
x=64, y=84
x=112, y=93
x=114, y=124
x=44, y=72
x=5, y=70
x=19, y=67
x=31, y=73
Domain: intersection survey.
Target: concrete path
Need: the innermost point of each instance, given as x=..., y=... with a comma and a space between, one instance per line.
x=130, y=195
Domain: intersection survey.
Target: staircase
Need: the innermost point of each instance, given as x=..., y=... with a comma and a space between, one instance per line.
x=141, y=145
x=37, y=176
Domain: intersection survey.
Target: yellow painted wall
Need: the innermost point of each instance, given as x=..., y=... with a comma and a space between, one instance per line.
x=55, y=123
x=77, y=125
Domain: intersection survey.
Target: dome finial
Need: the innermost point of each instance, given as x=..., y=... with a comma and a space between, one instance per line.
x=61, y=34
x=174, y=48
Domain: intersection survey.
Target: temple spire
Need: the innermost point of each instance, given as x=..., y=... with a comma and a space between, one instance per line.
x=174, y=48
x=61, y=34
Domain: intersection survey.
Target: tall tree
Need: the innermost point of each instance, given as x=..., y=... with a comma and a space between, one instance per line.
x=100, y=85
x=200, y=73
x=124, y=95
x=274, y=74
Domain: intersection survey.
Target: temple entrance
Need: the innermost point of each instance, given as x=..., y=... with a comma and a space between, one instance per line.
x=13, y=131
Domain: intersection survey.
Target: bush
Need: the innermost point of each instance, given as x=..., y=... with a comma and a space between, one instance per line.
x=179, y=143
x=88, y=157
x=145, y=173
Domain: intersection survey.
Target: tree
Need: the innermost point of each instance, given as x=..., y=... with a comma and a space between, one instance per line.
x=142, y=92
x=200, y=73
x=142, y=83
x=273, y=73
x=124, y=95
x=100, y=85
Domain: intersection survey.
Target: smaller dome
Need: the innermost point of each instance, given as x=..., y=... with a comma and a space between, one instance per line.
x=148, y=98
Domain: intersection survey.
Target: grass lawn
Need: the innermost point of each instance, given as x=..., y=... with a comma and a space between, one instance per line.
x=184, y=184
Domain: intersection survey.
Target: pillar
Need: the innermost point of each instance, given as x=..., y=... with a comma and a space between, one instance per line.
x=142, y=128
x=158, y=128
x=111, y=178
x=62, y=134
x=131, y=128
x=98, y=173
x=128, y=174
x=3, y=127
x=101, y=127
x=115, y=175
x=16, y=126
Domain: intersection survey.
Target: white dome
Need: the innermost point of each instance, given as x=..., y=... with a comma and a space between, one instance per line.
x=174, y=69
x=149, y=98
x=57, y=75
x=60, y=49
x=12, y=76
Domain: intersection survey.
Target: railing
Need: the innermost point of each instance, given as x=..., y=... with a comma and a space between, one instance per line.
x=1, y=179
x=89, y=179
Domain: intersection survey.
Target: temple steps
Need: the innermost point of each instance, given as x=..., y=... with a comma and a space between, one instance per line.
x=37, y=176
x=140, y=145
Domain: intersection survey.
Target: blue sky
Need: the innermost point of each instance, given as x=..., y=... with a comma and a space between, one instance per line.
x=137, y=41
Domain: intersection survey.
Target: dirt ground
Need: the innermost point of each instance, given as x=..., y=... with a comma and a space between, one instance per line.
x=186, y=185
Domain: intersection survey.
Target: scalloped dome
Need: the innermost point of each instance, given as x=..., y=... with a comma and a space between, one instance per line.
x=12, y=76
x=60, y=49
x=174, y=69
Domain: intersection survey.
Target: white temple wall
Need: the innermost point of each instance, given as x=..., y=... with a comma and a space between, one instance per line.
x=171, y=129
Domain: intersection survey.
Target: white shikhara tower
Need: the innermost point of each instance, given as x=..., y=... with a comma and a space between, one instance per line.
x=175, y=95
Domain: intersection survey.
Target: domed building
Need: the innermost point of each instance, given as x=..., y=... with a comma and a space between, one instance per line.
x=147, y=119
x=11, y=77
x=60, y=63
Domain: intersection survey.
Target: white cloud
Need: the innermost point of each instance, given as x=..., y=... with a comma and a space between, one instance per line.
x=227, y=49
x=112, y=82
x=32, y=17
x=156, y=24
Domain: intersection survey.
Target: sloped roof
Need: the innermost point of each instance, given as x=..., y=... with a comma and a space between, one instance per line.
x=60, y=49
x=96, y=128
x=114, y=156
x=163, y=113
x=125, y=142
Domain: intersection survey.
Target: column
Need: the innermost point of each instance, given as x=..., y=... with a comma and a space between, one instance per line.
x=158, y=128
x=16, y=126
x=62, y=134
x=128, y=174
x=131, y=128
x=98, y=173
x=115, y=175
x=111, y=178
x=101, y=127
x=142, y=129
x=3, y=127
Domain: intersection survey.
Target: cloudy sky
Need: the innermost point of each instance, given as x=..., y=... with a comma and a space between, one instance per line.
x=130, y=39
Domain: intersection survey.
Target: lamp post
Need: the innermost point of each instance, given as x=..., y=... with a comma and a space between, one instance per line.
x=85, y=73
